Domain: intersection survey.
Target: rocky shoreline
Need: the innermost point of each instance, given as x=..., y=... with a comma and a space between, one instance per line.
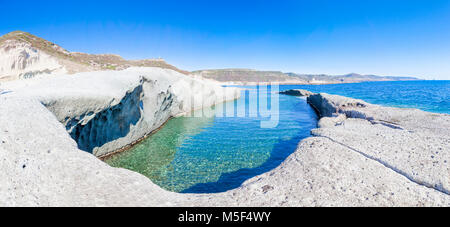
x=360, y=155
x=107, y=111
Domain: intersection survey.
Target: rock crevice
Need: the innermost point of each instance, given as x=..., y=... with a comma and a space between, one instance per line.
x=106, y=111
x=109, y=124
x=393, y=168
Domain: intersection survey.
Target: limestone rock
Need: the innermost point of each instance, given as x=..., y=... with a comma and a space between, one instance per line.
x=324, y=173
x=414, y=143
x=108, y=110
x=297, y=92
x=332, y=105
x=42, y=166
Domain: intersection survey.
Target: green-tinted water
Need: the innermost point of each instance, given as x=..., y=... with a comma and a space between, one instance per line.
x=215, y=154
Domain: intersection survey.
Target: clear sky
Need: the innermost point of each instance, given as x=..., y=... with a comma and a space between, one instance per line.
x=395, y=37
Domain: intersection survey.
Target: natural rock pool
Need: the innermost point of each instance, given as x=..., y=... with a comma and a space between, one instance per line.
x=216, y=154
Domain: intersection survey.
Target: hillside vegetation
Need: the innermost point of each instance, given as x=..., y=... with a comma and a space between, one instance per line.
x=93, y=62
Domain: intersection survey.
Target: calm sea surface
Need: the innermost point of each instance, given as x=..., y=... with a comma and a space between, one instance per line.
x=432, y=96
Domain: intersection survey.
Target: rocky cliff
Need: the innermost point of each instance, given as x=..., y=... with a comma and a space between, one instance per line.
x=19, y=60
x=23, y=56
x=108, y=110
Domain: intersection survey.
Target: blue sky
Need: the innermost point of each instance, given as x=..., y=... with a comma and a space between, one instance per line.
x=400, y=38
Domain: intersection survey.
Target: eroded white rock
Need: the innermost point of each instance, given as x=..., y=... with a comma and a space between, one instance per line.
x=106, y=111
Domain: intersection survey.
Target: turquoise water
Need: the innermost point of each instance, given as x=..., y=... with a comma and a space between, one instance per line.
x=432, y=96
x=216, y=154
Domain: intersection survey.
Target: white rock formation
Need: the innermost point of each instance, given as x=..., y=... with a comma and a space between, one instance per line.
x=19, y=60
x=414, y=143
x=106, y=111
x=42, y=166
x=297, y=92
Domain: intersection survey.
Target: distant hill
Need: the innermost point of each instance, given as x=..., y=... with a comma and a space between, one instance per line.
x=23, y=55
x=248, y=76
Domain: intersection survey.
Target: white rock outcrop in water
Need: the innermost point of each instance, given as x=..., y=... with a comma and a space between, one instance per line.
x=297, y=92
x=106, y=111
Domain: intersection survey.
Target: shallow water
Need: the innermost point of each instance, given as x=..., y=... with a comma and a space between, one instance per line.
x=216, y=154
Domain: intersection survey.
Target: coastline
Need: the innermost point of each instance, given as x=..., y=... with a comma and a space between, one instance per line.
x=358, y=156
x=105, y=112
x=334, y=167
x=235, y=83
